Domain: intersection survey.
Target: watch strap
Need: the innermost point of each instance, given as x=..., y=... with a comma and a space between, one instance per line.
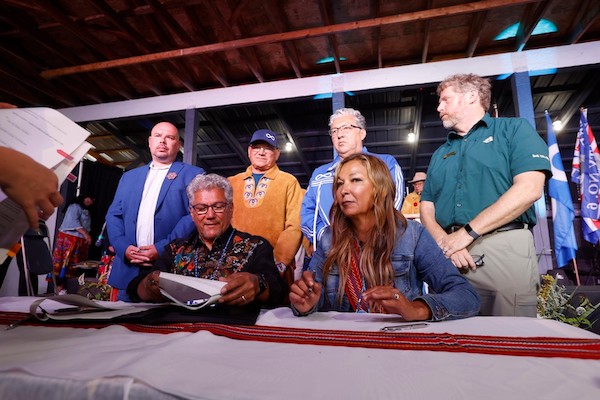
x=471, y=232
x=262, y=283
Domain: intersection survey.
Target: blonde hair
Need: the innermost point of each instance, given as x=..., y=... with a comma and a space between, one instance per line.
x=462, y=83
x=375, y=260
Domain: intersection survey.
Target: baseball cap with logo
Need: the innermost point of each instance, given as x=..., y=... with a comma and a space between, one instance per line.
x=265, y=135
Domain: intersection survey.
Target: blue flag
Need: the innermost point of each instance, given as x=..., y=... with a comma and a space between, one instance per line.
x=563, y=213
x=590, y=181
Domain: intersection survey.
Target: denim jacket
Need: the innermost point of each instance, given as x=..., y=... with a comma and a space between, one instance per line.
x=76, y=217
x=416, y=258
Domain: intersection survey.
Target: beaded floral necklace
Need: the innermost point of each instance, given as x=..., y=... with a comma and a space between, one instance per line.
x=223, y=252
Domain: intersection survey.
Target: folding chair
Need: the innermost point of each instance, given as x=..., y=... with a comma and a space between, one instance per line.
x=36, y=258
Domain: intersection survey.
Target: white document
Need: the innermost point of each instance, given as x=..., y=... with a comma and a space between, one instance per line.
x=81, y=307
x=188, y=291
x=48, y=137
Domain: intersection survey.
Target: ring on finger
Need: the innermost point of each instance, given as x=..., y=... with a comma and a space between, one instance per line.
x=243, y=298
x=396, y=296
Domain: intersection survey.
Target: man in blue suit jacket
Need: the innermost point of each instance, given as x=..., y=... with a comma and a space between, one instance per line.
x=150, y=208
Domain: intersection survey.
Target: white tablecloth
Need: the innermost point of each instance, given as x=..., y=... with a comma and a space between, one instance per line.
x=103, y=362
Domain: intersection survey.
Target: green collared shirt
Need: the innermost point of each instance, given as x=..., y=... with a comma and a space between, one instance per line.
x=469, y=173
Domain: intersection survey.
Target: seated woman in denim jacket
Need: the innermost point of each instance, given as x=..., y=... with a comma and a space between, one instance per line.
x=371, y=259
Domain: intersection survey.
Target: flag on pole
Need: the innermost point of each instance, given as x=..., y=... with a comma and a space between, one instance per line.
x=563, y=213
x=589, y=180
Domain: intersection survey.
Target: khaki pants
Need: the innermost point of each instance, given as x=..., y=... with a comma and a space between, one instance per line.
x=508, y=281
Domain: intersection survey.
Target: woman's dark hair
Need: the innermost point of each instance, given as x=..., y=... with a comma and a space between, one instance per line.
x=80, y=200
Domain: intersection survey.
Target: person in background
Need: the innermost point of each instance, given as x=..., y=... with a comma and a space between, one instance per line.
x=150, y=208
x=412, y=201
x=371, y=259
x=479, y=195
x=267, y=201
x=348, y=130
x=216, y=250
x=28, y=183
x=72, y=241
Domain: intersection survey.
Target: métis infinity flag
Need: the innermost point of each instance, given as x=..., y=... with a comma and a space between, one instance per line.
x=588, y=156
x=563, y=213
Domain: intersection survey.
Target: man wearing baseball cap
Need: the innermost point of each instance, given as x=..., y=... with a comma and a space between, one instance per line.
x=267, y=201
x=413, y=199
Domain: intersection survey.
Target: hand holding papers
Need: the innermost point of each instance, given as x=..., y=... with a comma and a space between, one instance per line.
x=54, y=142
x=190, y=292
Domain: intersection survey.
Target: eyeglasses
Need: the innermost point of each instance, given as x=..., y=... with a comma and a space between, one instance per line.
x=343, y=129
x=478, y=260
x=202, y=209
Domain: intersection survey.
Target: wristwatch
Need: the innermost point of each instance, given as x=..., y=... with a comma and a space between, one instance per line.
x=471, y=232
x=262, y=284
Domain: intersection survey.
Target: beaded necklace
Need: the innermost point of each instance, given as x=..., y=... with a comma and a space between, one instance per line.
x=223, y=252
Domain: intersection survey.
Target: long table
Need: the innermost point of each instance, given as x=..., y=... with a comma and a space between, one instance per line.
x=327, y=359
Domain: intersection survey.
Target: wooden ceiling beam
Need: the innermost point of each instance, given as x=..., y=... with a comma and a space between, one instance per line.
x=130, y=33
x=282, y=37
x=231, y=29
x=278, y=19
x=533, y=15
x=28, y=28
x=326, y=12
x=92, y=43
x=475, y=32
x=588, y=12
x=427, y=34
x=208, y=64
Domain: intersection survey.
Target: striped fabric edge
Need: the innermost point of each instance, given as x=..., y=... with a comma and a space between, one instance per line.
x=460, y=343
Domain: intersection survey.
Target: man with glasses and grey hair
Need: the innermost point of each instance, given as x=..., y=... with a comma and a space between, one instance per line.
x=216, y=251
x=348, y=129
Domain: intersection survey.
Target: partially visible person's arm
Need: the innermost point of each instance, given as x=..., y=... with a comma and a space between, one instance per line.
x=29, y=184
x=290, y=238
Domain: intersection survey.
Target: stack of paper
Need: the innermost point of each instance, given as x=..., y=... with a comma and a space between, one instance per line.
x=48, y=137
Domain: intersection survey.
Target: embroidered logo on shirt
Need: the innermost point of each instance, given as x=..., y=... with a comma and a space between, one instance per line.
x=488, y=139
x=171, y=175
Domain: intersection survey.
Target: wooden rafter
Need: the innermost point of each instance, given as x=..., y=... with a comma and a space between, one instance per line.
x=588, y=12
x=282, y=37
x=278, y=19
x=532, y=16
x=325, y=8
x=474, y=32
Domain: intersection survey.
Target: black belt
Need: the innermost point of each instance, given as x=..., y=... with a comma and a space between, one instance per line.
x=508, y=227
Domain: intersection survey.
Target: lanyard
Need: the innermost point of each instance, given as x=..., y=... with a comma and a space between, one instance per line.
x=223, y=253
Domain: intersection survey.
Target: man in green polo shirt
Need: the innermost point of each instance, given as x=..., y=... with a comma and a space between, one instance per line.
x=479, y=193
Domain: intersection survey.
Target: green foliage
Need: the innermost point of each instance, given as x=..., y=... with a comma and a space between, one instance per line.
x=553, y=302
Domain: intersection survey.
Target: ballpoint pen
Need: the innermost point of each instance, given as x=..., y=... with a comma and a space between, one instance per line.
x=404, y=327
x=18, y=322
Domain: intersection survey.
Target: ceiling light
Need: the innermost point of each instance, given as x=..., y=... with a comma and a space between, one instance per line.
x=557, y=125
x=289, y=146
x=107, y=157
x=411, y=137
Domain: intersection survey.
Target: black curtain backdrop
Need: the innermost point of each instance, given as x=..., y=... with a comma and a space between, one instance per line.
x=99, y=181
